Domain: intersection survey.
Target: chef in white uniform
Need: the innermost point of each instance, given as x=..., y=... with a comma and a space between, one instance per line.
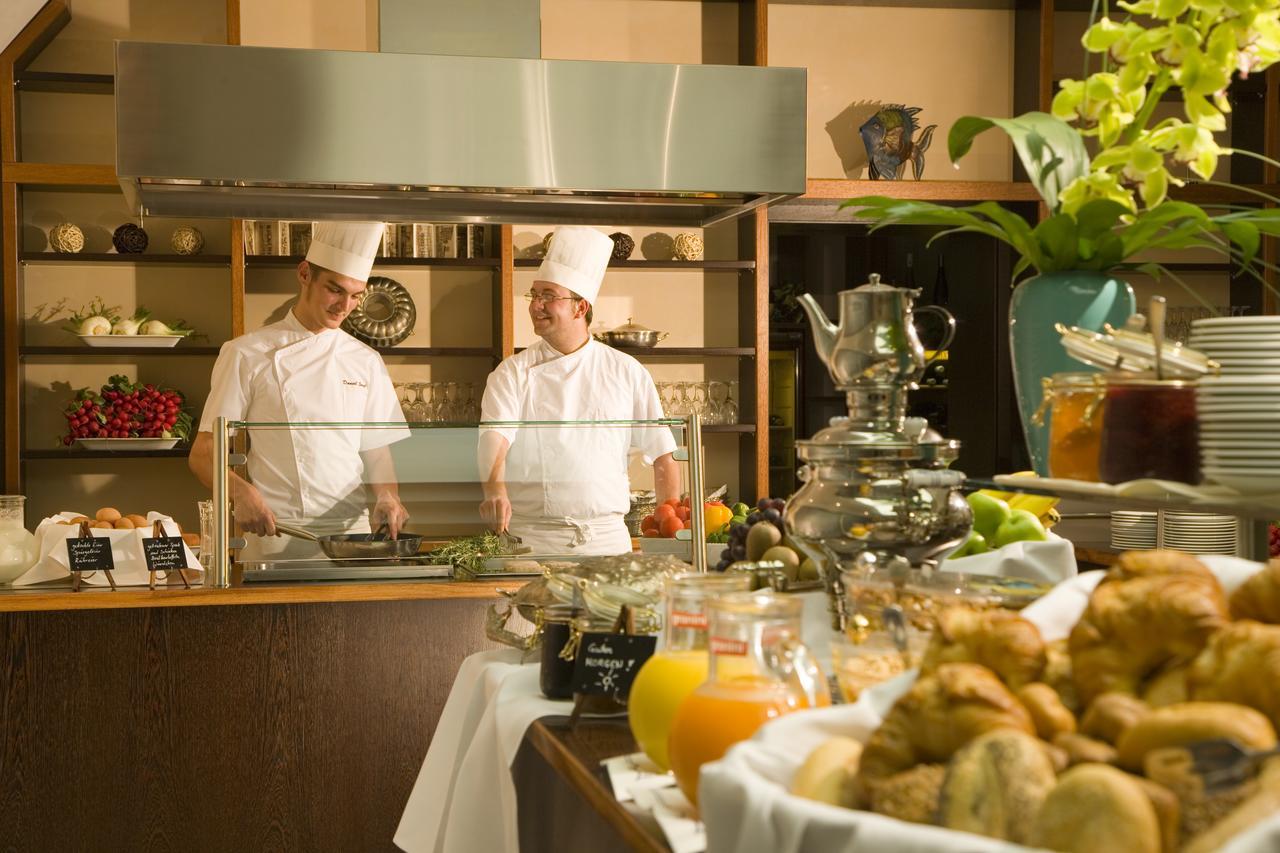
x=305, y=368
x=565, y=490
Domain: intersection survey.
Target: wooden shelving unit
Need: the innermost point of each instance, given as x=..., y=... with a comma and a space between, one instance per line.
x=252, y=261
x=112, y=258
x=705, y=266
x=73, y=454
x=107, y=353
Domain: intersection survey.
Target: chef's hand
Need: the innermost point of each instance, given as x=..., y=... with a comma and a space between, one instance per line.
x=390, y=511
x=495, y=509
x=252, y=512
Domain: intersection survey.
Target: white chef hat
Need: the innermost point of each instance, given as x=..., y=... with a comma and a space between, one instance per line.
x=577, y=259
x=347, y=248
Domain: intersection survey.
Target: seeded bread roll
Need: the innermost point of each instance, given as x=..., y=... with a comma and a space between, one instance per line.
x=911, y=795
x=996, y=784
x=1178, y=725
x=1094, y=808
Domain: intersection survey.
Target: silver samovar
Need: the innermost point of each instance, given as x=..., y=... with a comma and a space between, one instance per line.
x=877, y=492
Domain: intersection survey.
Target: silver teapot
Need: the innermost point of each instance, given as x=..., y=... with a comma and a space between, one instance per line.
x=876, y=343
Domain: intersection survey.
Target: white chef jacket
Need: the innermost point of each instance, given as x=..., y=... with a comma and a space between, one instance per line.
x=565, y=475
x=285, y=373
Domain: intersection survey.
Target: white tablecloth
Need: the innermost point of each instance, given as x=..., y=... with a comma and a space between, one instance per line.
x=464, y=799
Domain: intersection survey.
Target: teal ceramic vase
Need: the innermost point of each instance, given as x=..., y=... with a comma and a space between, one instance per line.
x=1083, y=298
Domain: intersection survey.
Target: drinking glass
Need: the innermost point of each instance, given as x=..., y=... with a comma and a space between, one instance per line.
x=731, y=407
x=421, y=408
x=205, y=510
x=453, y=403
x=698, y=399
x=717, y=396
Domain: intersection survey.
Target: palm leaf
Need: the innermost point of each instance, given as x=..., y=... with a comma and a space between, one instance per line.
x=1052, y=151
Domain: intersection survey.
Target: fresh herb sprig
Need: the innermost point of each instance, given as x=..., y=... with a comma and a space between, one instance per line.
x=469, y=553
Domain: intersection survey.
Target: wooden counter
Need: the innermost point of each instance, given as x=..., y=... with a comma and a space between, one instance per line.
x=290, y=717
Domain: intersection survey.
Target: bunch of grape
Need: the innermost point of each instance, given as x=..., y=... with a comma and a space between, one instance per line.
x=1273, y=539
x=124, y=409
x=767, y=511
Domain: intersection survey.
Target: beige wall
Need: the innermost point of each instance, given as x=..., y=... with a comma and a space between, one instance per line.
x=949, y=62
x=327, y=24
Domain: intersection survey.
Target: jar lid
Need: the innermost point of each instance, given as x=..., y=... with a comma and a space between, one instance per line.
x=1146, y=379
x=631, y=327
x=1123, y=351
x=874, y=285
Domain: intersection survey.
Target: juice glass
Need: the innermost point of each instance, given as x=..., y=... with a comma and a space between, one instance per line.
x=758, y=670
x=680, y=664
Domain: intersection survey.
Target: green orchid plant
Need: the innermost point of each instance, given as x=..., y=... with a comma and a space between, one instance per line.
x=1107, y=208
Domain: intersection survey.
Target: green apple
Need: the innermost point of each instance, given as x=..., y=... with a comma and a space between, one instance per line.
x=1022, y=526
x=975, y=544
x=988, y=513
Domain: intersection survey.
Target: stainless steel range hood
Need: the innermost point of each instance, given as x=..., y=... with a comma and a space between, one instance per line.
x=273, y=133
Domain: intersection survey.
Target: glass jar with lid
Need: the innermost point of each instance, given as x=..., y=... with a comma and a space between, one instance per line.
x=1151, y=430
x=1074, y=403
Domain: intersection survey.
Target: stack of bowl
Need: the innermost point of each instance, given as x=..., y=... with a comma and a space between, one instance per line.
x=1238, y=410
x=1132, y=530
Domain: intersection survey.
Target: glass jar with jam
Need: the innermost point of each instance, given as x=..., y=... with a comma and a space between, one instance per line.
x=1151, y=430
x=1075, y=403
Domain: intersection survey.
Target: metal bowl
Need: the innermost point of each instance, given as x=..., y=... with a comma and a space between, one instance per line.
x=631, y=334
x=385, y=316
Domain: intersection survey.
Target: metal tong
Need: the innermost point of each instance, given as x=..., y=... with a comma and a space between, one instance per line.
x=1222, y=763
x=511, y=544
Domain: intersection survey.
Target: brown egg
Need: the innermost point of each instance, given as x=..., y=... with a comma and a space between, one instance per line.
x=138, y=520
x=108, y=513
x=123, y=524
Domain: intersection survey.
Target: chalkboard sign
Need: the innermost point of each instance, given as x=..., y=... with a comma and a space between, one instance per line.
x=608, y=663
x=164, y=553
x=90, y=555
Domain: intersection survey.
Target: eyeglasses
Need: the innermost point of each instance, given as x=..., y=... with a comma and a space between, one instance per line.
x=544, y=298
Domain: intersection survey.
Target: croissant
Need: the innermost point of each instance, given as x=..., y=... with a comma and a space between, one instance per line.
x=1002, y=641
x=1152, y=607
x=1259, y=597
x=1240, y=664
x=942, y=712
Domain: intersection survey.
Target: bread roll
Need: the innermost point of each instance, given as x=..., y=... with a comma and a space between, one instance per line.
x=1081, y=749
x=1095, y=808
x=1057, y=674
x=827, y=774
x=1178, y=725
x=1168, y=687
x=108, y=513
x=138, y=520
x=939, y=714
x=102, y=525
x=80, y=519
x=1049, y=715
x=996, y=784
x=1168, y=813
x=123, y=524
x=1240, y=664
x=1151, y=608
x=1258, y=598
x=1002, y=641
x=1262, y=804
x=911, y=795
x=1172, y=768
x=193, y=540
x=1111, y=715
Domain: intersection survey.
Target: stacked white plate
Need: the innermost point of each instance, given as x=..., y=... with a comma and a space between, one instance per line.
x=1199, y=533
x=1238, y=417
x=1241, y=345
x=1132, y=530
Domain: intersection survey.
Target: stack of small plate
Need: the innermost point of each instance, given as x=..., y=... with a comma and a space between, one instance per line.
x=1241, y=345
x=1133, y=531
x=1199, y=533
x=1238, y=417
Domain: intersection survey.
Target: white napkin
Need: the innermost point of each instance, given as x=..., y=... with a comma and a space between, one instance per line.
x=1050, y=561
x=744, y=798
x=126, y=551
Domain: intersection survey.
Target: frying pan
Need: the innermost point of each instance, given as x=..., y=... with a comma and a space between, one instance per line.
x=349, y=546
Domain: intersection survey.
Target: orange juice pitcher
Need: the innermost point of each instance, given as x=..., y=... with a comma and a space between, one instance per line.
x=680, y=664
x=759, y=670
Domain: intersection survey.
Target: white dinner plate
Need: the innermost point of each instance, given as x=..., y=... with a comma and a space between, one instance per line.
x=158, y=341
x=1249, y=322
x=127, y=443
x=1247, y=481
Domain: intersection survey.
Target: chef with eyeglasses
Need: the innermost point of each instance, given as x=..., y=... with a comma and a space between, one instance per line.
x=565, y=489
x=302, y=369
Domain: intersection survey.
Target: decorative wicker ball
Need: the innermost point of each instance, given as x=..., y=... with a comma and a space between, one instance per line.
x=623, y=245
x=66, y=238
x=129, y=239
x=688, y=246
x=186, y=240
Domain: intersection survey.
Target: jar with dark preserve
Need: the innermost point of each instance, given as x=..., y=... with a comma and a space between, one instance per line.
x=1150, y=430
x=555, y=677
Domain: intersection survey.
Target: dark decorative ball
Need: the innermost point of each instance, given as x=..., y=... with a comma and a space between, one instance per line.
x=623, y=245
x=129, y=239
